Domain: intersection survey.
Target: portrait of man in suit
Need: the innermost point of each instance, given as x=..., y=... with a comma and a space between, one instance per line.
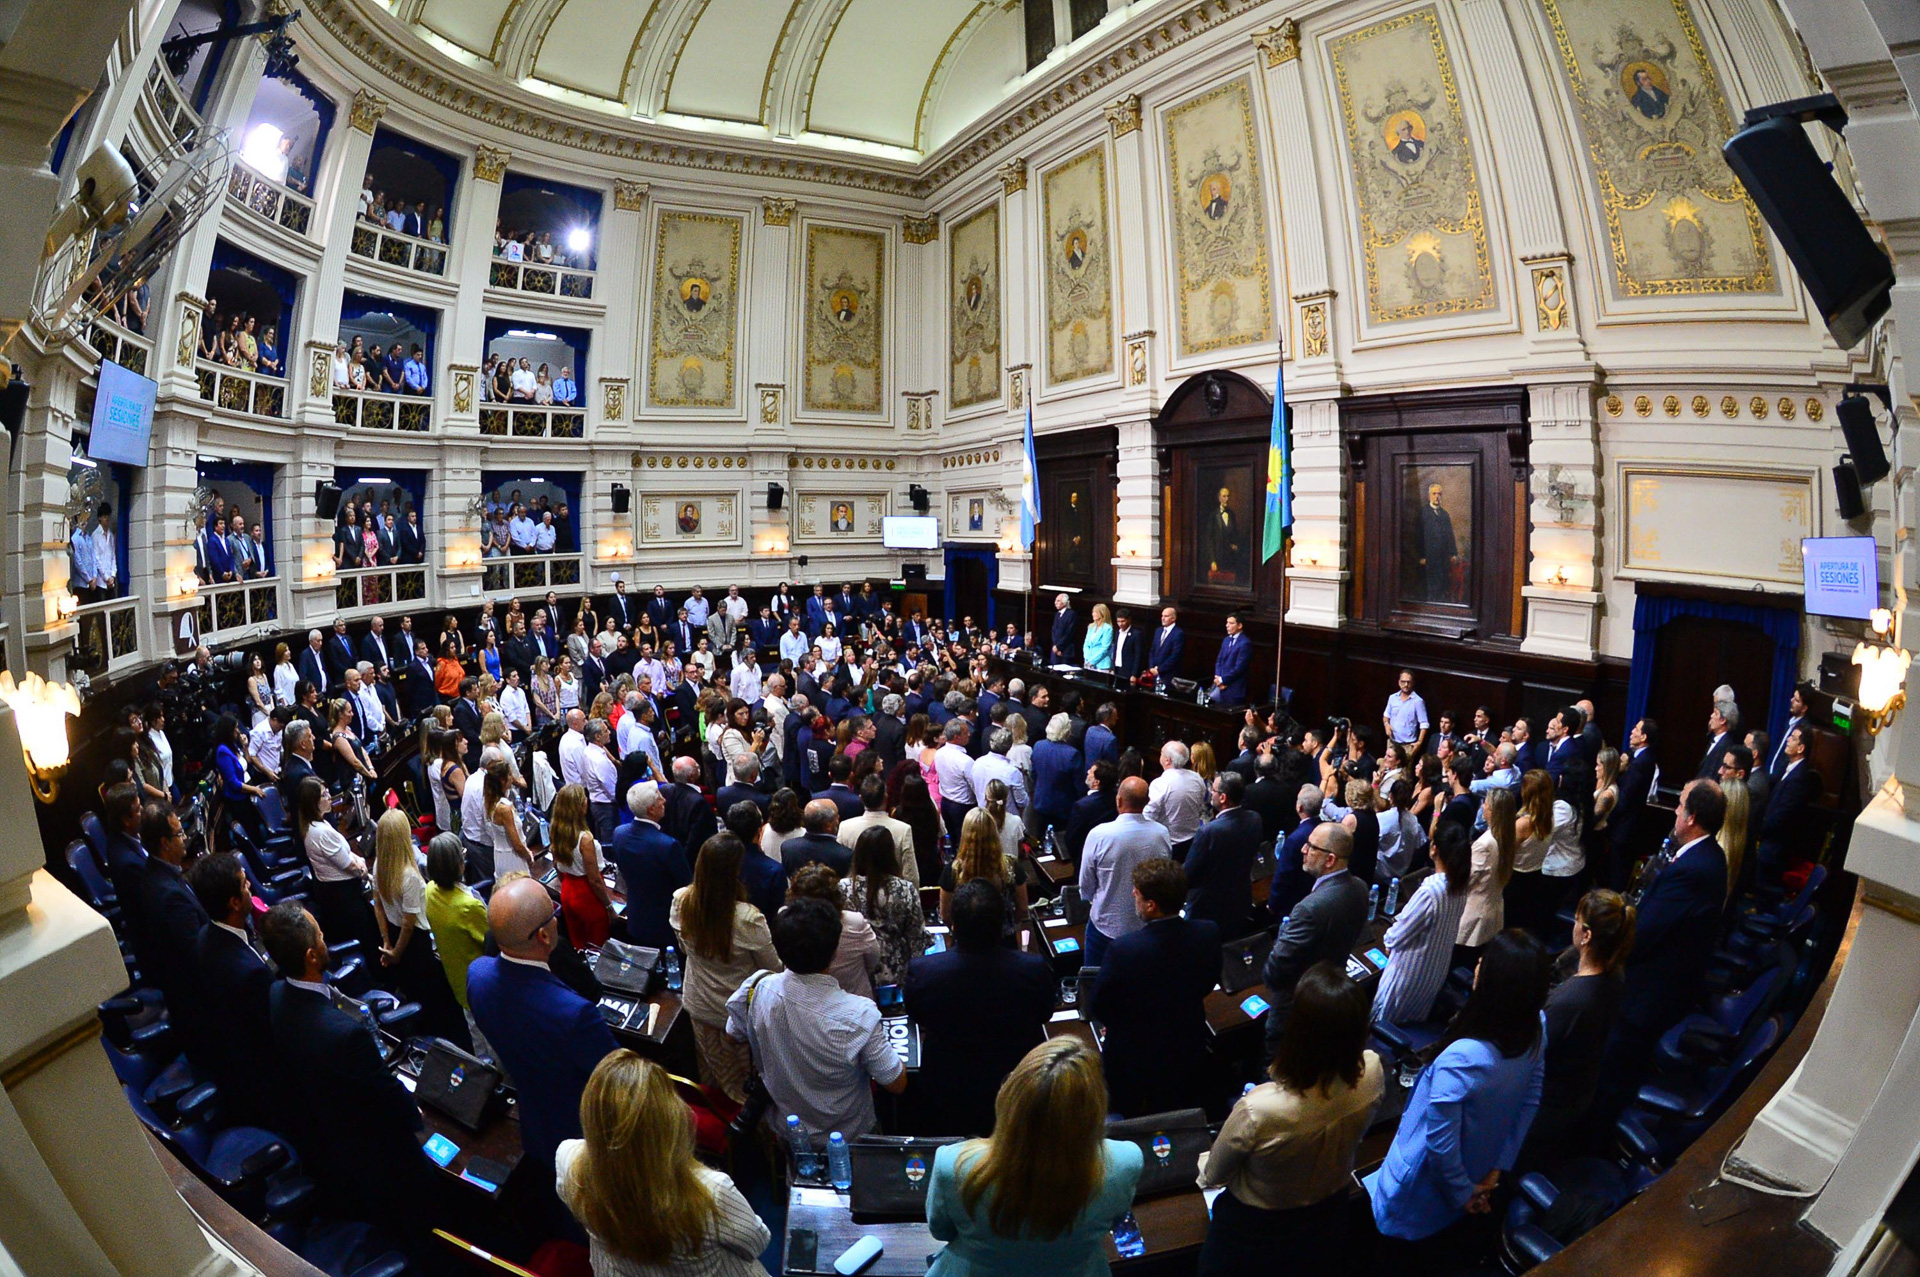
x=842, y=520
x=1221, y=549
x=689, y=520
x=976, y=514
x=1649, y=96
x=1436, y=529
x=1407, y=147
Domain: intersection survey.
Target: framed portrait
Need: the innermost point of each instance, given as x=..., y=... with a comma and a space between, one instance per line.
x=1436, y=531
x=1076, y=529
x=976, y=514
x=841, y=520
x=688, y=520
x=1224, y=530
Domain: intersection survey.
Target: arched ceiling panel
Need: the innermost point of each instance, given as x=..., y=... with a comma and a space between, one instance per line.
x=876, y=67
x=981, y=59
x=725, y=62
x=471, y=24
x=585, y=45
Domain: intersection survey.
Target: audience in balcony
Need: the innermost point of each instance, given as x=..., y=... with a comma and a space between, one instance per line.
x=543, y=388
x=565, y=392
x=95, y=571
x=536, y=247
x=366, y=538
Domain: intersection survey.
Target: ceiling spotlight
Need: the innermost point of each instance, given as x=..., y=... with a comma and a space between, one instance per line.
x=579, y=239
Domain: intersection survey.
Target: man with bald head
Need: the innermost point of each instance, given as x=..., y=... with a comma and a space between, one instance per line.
x=1106, y=867
x=1323, y=927
x=817, y=841
x=548, y=1037
x=573, y=744
x=652, y=864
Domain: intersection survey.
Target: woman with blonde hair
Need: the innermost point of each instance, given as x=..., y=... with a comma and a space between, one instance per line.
x=648, y=1207
x=510, y=852
x=1734, y=830
x=1040, y=1193
x=602, y=706
x=1096, y=648
x=725, y=940
x=1012, y=829
x=1491, y=869
x=545, y=694
x=406, y=941
x=1203, y=761
x=584, y=899
x=980, y=856
x=493, y=744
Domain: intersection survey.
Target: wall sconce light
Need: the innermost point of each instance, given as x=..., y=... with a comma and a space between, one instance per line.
x=187, y=586
x=1883, y=673
x=1559, y=576
x=65, y=604
x=40, y=712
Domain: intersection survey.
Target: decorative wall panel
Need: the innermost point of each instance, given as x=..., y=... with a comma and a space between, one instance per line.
x=845, y=288
x=1079, y=269
x=1223, y=283
x=846, y=516
x=696, y=307
x=973, y=300
x=689, y=518
x=1744, y=525
x=1423, y=230
x=1653, y=117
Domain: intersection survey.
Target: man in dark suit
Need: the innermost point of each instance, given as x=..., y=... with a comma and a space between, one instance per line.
x=341, y=656
x=1291, y=882
x=233, y=1046
x=913, y=631
x=1439, y=548
x=1151, y=994
x=622, y=609
x=1776, y=762
x=126, y=858
x=1723, y=728
x=981, y=1007
x=168, y=918
x=373, y=644
x=413, y=539
x=548, y=1037
x=417, y=691
x=1062, y=650
x=746, y=787
x=683, y=633
x=545, y=643
x=1636, y=784
x=312, y=663
x=653, y=865
x=1089, y=813
x=838, y=791
x=1789, y=828
x=1266, y=797
x=466, y=718
x=762, y=876
x=1323, y=926
x=593, y=672
x=819, y=824
x=1674, y=935
x=1129, y=646
x=387, y=536
x=661, y=611
x=1220, y=862
x=764, y=631
x=890, y=732
x=1529, y=753
x=1230, y=668
x=1165, y=653
x=689, y=819
x=348, y=1116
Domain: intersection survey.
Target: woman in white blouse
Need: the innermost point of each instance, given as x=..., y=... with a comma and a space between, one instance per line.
x=342, y=370
x=406, y=942
x=286, y=675
x=338, y=895
x=510, y=854
x=568, y=686
x=828, y=643
x=156, y=721
x=702, y=655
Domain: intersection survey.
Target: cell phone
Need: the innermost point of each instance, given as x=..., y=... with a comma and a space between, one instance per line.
x=888, y=996
x=1378, y=957
x=1254, y=1005
x=441, y=1149
x=803, y=1249
x=1127, y=1239
x=1066, y=944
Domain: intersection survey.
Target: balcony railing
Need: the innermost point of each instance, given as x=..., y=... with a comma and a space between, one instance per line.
x=373, y=411
x=120, y=345
x=238, y=390
x=109, y=635
x=530, y=421
x=531, y=572
x=380, y=587
x=275, y=201
x=393, y=248
x=548, y=278
x=174, y=114
x=239, y=604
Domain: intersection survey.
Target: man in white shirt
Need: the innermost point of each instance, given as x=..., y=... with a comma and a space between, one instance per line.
x=794, y=644
x=628, y=737
x=521, y=529
x=736, y=608
x=82, y=574
x=697, y=609
x=264, y=744
x=524, y=382
x=514, y=707
x=993, y=765
x=373, y=716
x=544, y=535
x=106, y=559
x=873, y=799
x=649, y=667
x=1178, y=798
x=774, y=700
x=601, y=778
x=572, y=744
x=954, y=768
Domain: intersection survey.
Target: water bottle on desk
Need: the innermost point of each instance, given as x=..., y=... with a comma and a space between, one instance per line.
x=673, y=969
x=1373, y=902
x=839, y=1162
x=806, y=1162
x=1393, y=897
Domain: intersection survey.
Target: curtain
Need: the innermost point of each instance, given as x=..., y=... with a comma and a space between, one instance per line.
x=1781, y=624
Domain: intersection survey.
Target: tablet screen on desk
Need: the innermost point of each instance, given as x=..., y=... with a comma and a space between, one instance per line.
x=1254, y=1005
x=441, y=1149
x=1066, y=944
x=1378, y=957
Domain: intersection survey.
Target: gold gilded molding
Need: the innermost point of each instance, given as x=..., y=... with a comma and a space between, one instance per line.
x=1786, y=408
x=1815, y=410
x=1314, y=339
x=770, y=395
x=1013, y=176
x=1614, y=406
x=1279, y=44
x=1123, y=116
x=613, y=398
x=1550, y=298
x=490, y=162
x=1729, y=406
x=1671, y=405
x=1758, y=407
x=1700, y=405
x=1643, y=405
x=920, y=230
x=463, y=389
x=368, y=108
x=629, y=196
x=775, y=211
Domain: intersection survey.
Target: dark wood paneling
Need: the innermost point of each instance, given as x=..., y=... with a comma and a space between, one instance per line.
x=1079, y=462
x=1214, y=419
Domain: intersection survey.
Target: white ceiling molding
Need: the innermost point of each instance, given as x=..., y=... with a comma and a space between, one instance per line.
x=656, y=53
x=797, y=61
x=522, y=31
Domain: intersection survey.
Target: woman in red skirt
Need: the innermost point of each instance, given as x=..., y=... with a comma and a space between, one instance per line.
x=584, y=898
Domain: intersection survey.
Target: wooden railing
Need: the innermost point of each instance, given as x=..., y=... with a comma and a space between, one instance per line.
x=531, y=572
x=530, y=421
x=275, y=201
x=238, y=390
x=550, y=279
x=372, y=410
x=380, y=587
x=109, y=635
x=394, y=248
x=239, y=604
x=119, y=344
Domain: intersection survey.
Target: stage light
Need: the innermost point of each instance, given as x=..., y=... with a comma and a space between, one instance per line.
x=261, y=152
x=579, y=239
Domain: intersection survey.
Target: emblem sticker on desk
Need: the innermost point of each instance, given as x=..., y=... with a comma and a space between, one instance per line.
x=916, y=1170
x=1066, y=944
x=1162, y=1146
x=1254, y=1005
x=441, y=1149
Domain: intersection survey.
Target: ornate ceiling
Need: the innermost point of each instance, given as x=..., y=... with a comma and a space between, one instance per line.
x=888, y=79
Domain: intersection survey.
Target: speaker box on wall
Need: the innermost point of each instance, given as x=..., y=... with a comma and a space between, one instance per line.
x=1869, y=456
x=326, y=499
x=918, y=496
x=622, y=499
x=1846, y=273
x=775, y=496
x=913, y=573
x=1846, y=491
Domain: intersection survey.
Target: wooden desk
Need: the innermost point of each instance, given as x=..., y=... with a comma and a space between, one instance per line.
x=1144, y=719
x=497, y=1141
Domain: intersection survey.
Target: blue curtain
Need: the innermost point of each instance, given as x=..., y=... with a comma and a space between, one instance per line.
x=561, y=207
x=358, y=306
x=256, y=478
x=1780, y=624
x=990, y=558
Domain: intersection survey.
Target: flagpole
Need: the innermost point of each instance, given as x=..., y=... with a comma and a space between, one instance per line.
x=1286, y=543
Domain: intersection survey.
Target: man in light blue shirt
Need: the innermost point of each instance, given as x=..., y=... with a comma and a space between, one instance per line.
x=697, y=609
x=544, y=535
x=1406, y=716
x=794, y=644
x=397, y=216
x=521, y=529
x=81, y=575
x=564, y=391
x=414, y=374
x=1106, y=867
x=1504, y=775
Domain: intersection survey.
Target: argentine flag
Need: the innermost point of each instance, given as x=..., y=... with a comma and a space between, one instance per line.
x=1029, y=487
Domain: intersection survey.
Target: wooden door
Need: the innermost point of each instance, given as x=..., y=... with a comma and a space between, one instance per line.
x=1692, y=655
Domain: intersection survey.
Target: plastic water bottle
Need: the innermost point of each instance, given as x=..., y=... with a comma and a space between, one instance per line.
x=806, y=1162
x=1247, y=1090
x=1393, y=897
x=839, y=1162
x=673, y=969
x=1373, y=902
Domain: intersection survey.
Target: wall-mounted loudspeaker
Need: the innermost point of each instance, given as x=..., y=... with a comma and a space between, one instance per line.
x=918, y=495
x=1846, y=491
x=622, y=499
x=913, y=573
x=1870, y=462
x=326, y=499
x=776, y=495
x=1848, y=276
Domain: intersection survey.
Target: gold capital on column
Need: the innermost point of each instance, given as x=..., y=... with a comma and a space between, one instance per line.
x=490, y=162
x=921, y=230
x=629, y=196
x=775, y=211
x=1124, y=115
x=1013, y=176
x=368, y=108
x=1281, y=43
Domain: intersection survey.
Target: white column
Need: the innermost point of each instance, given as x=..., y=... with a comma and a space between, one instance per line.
x=37, y=562
x=621, y=286
x=1562, y=592
x=1313, y=362
x=1317, y=579
x=160, y=549
x=469, y=262
x=305, y=540
x=771, y=535
x=453, y=531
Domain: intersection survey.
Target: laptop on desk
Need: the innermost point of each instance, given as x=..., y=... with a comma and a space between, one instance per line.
x=890, y=1174
x=1242, y=961
x=1170, y=1148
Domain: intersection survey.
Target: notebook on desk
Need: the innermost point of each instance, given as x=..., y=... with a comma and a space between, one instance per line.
x=890, y=1175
